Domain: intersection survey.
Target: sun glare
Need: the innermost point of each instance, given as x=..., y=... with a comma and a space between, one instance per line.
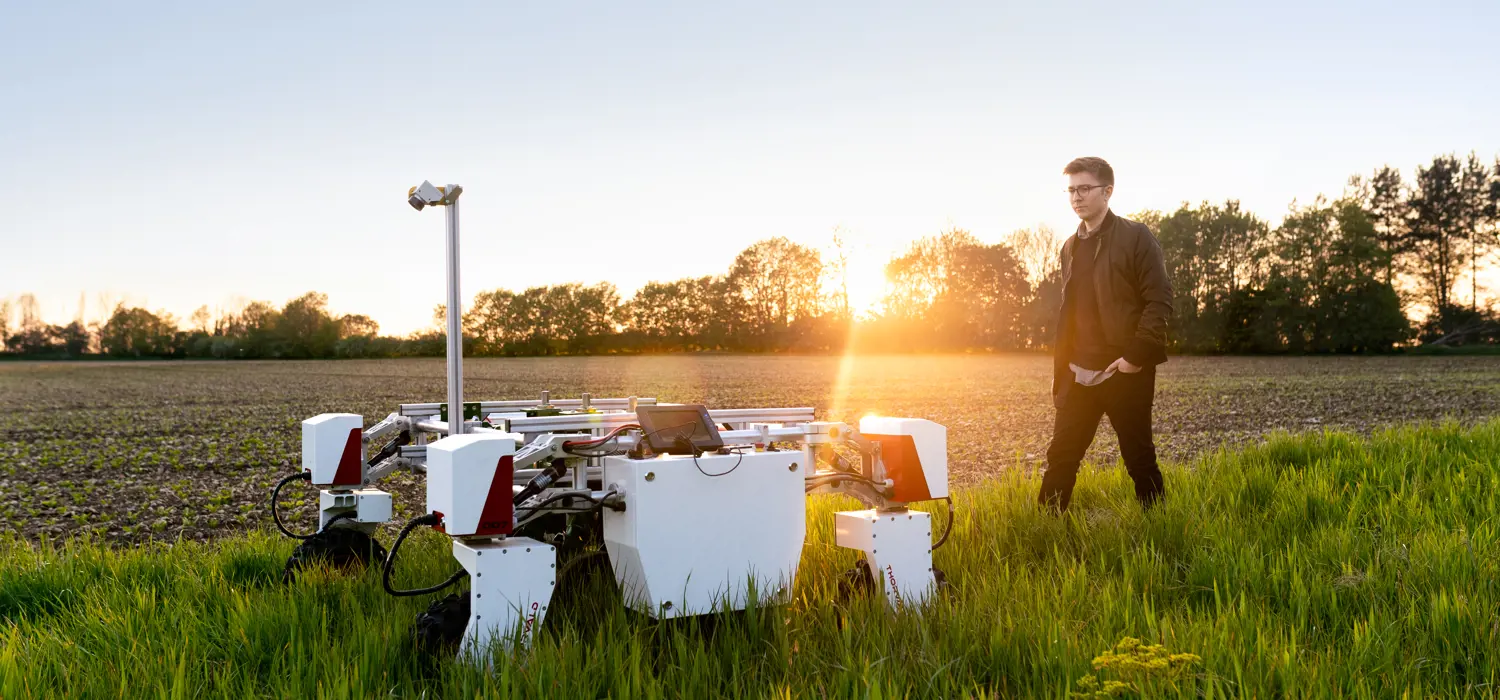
x=863, y=279
x=867, y=286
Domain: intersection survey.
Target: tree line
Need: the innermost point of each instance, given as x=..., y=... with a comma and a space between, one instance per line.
x=1376, y=269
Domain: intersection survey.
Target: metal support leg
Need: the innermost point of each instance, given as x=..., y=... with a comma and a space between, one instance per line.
x=898, y=548
x=511, y=582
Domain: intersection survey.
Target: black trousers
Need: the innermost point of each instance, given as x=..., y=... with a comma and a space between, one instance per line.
x=1126, y=399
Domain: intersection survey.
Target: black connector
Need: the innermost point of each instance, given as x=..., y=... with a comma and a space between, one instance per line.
x=540, y=482
x=390, y=448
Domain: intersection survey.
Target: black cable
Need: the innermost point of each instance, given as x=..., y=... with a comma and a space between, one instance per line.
x=591, y=448
x=594, y=451
x=276, y=513
x=390, y=561
x=685, y=442
x=568, y=445
x=598, y=505
x=948, y=529
x=558, y=497
x=609, y=453
x=646, y=438
x=833, y=478
x=737, y=461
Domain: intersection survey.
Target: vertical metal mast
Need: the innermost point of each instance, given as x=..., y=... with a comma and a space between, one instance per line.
x=425, y=195
x=455, y=326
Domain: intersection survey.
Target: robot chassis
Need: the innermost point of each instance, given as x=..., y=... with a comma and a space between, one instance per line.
x=697, y=525
x=531, y=484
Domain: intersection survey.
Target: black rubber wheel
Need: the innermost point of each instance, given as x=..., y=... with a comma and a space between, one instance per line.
x=857, y=582
x=340, y=548
x=439, y=630
x=940, y=581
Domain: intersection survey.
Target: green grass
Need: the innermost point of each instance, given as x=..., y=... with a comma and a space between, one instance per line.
x=1319, y=565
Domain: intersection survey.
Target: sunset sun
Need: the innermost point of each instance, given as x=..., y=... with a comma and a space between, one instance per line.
x=867, y=286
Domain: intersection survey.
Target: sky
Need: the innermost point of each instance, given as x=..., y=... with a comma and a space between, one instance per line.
x=173, y=155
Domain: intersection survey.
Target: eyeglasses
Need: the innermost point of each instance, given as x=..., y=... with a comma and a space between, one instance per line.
x=1084, y=189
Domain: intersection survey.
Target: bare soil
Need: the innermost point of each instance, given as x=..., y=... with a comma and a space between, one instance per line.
x=164, y=450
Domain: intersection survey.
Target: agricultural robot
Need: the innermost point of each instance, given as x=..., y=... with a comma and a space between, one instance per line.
x=696, y=511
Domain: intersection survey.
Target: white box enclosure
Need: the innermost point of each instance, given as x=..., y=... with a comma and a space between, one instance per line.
x=694, y=536
x=333, y=449
x=915, y=452
x=469, y=479
x=365, y=506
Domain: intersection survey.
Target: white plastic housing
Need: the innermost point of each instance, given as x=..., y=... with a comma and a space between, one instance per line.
x=470, y=482
x=926, y=480
x=333, y=450
x=689, y=544
x=367, y=505
x=510, y=586
x=897, y=547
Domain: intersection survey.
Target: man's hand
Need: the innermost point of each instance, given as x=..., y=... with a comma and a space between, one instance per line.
x=1123, y=366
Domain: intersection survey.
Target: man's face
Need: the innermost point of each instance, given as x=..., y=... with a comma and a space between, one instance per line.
x=1088, y=198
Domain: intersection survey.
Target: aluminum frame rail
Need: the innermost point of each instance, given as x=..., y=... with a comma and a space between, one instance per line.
x=425, y=410
x=596, y=421
x=601, y=421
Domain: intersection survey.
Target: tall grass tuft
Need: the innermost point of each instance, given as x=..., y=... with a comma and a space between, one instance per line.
x=1315, y=565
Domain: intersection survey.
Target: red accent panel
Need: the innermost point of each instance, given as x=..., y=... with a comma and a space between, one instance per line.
x=903, y=467
x=499, y=506
x=351, y=463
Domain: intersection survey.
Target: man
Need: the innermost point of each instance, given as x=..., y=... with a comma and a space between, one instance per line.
x=1111, y=334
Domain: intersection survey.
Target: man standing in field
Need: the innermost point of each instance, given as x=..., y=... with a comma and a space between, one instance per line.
x=1111, y=334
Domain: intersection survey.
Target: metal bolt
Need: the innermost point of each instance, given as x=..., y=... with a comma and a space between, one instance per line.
x=873, y=536
x=874, y=551
x=552, y=583
x=667, y=605
x=479, y=554
x=650, y=476
x=478, y=595
x=528, y=549
x=792, y=468
x=908, y=517
x=553, y=566
x=479, y=574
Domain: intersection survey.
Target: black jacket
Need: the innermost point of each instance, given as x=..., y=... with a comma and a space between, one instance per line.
x=1133, y=294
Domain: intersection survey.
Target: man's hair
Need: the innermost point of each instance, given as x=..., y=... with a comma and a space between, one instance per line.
x=1095, y=166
